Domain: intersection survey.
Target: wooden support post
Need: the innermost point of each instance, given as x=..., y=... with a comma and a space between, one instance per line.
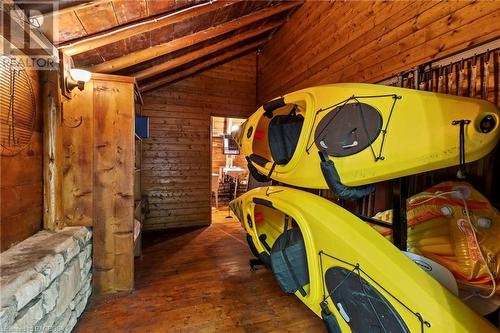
x=52, y=152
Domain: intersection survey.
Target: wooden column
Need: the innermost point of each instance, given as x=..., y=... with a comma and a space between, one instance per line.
x=98, y=175
x=52, y=152
x=113, y=183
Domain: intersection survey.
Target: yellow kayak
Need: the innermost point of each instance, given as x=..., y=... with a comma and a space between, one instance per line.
x=344, y=270
x=346, y=134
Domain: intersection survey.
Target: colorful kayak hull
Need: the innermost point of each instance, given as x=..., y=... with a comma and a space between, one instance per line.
x=419, y=134
x=330, y=229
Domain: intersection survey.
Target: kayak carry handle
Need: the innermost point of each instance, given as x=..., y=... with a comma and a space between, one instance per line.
x=270, y=106
x=332, y=179
x=263, y=202
x=331, y=324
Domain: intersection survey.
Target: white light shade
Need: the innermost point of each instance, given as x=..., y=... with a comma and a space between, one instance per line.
x=80, y=74
x=234, y=128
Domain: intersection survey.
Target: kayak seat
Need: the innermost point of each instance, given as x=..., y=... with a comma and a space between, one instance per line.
x=289, y=261
x=283, y=136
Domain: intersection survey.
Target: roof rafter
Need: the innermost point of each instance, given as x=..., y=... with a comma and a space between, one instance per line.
x=125, y=31
x=179, y=43
x=202, y=66
x=179, y=61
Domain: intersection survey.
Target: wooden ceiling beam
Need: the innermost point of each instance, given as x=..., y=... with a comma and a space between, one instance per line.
x=125, y=31
x=201, y=66
x=184, y=59
x=180, y=43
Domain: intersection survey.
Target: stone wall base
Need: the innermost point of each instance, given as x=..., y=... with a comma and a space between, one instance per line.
x=46, y=281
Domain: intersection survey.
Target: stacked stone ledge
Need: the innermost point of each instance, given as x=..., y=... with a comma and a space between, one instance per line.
x=46, y=281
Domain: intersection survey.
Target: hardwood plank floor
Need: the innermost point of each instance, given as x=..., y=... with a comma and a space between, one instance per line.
x=198, y=280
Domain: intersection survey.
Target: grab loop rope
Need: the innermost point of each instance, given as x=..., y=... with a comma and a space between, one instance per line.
x=341, y=105
x=356, y=268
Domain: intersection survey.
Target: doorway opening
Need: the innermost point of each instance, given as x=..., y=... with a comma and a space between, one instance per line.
x=229, y=168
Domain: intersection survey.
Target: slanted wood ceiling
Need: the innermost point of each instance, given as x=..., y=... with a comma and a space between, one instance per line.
x=162, y=41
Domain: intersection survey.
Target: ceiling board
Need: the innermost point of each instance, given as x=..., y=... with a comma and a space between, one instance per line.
x=163, y=35
x=68, y=26
x=156, y=7
x=110, y=51
x=222, y=15
x=180, y=4
x=98, y=17
x=138, y=42
x=128, y=11
x=87, y=59
x=192, y=25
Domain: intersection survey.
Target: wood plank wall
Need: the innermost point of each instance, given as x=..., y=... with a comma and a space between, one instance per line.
x=176, y=158
x=21, y=184
x=367, y=41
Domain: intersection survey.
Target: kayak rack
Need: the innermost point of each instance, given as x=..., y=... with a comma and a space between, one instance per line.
x=399, y=223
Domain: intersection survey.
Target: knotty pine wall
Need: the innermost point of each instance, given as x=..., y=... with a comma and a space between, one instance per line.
x=176, y=165
x=21, y=184
x=367, y=41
